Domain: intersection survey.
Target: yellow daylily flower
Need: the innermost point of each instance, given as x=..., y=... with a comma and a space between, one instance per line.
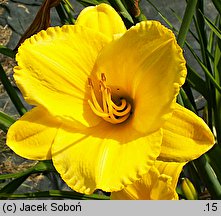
x=102, y=95
x=158, y=184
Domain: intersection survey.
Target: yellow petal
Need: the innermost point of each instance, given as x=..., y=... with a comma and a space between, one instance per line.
x=53, y=68
x=162, y=189
x=105, y=157
x=140, y=189
x=102, y=18
x=169, y=174
x=32, y=135
x=146, y=66
x=153, y=186
x=172, y=169
x=185, y=136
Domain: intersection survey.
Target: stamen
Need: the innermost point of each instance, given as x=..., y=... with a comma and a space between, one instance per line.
x=121, y=107
x=102, y=87
x=101, y=114
x=124, y=112
x=110, y=108
x=96, y=104
x=113, y=105
x=109, y=111
x=117, y=121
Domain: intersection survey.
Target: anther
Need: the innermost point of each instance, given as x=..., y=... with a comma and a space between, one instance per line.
x=103, y=77
x=90, y=83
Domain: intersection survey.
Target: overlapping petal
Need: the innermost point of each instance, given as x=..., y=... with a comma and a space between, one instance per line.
x=103, y=157
x=172, y=169
x=33, y=134
x=158, y=184
x=53, y=68
x=102, y=18
x=185, y=136
x=147, y=66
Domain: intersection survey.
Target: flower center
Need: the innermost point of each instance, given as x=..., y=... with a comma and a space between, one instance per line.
x=109, y=111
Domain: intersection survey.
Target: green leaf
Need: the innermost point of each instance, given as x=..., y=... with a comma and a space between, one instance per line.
x=11, y=92
x=205, y=63
x=69, y=4
x=43, y=166
x=186, y=101
x=5, y=121
x=162, y=16
x=217, y=75
x=13, y=185
x=205, y=69
x=194, y=79
x=217, y=4
x=68, y=10
x=208, y=176
x=180, y=20
x=212, y=41
x=212, y=27
x=213, y=157
x=40, y=167
x=185, y=25
x=6, y=51
x=119, y=6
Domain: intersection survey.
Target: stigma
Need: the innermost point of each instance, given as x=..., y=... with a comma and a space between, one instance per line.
x=107, y=109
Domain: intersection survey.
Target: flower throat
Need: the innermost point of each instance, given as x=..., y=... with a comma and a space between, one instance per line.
x=109, y=111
